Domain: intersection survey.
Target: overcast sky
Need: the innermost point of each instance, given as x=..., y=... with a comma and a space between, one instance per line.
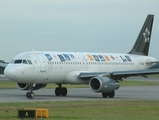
x=74, y=25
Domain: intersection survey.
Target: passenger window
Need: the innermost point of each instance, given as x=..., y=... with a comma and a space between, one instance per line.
x=18, y=61
x=29, y=61
x=25, y=62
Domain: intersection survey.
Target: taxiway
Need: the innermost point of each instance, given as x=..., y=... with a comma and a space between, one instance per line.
x=74, y=94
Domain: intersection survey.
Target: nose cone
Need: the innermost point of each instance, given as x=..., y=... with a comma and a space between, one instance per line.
x=10, y=72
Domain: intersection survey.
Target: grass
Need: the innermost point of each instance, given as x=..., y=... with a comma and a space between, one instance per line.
x=12, y=85
x=138, y=83
x=84, y=110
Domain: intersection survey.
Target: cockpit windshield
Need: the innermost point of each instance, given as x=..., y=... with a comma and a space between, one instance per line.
x=25, y=62
x=20, y=61
x=17, y=61
x=29, y=61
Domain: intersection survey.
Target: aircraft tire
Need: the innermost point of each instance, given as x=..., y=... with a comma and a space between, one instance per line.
x=105, y=95
x=30, y=95
x=112, y=94
x=27, y=94
x=57, y=91
x=64, y=91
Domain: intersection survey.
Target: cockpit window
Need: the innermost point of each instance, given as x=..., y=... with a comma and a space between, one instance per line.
x=25, y=62
x=18, y=61
x=29, y=61
x=21, y=61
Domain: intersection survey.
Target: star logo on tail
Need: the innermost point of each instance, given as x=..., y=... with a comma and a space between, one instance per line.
x=146, y=35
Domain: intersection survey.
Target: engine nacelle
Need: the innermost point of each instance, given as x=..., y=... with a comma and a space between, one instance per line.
x=24, y=86
x=103, y=84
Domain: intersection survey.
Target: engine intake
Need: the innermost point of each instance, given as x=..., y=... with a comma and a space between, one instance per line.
x=24, y=86
x=103, y=84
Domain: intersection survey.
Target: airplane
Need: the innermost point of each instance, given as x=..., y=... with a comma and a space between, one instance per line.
x=2, y=66
x=101, y=71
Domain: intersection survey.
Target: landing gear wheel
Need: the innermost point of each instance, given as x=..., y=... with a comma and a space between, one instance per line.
x=110, y=94
x=27, y=94
x=105, y=95
x=63, y=91
x=57, y=91
x=30, y=95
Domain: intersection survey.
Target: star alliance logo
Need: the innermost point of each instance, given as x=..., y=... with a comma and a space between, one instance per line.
x=146, y=35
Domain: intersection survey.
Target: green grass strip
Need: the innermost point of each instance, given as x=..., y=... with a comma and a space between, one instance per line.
x=12, y=85
x=88, y=110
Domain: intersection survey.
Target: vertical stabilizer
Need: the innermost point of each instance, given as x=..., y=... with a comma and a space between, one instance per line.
x=141, y=46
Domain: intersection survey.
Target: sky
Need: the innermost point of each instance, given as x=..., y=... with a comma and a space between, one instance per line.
x=108, y=26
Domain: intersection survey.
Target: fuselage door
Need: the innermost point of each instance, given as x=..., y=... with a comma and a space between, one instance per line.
x=42, y=62
x=85, y=63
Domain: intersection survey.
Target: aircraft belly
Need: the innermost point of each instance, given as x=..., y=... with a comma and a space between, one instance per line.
x=73, y=78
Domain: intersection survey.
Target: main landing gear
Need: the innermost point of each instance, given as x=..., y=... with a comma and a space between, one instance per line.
x=60, y=91
x=110, y=94
x=30, y=94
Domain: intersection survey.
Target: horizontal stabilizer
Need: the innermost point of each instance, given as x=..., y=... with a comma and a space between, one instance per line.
x=152, y=62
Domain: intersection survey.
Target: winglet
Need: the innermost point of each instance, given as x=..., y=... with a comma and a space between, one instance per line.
x=141, y=46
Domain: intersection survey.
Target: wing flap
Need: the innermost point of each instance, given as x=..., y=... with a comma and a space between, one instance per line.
x=90, y=75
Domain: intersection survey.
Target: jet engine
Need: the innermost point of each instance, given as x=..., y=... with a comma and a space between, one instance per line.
x=103, y=84
x=24, y=86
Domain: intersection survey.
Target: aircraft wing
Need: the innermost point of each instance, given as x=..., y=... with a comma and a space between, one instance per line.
x=90, y=75
x=118, y=75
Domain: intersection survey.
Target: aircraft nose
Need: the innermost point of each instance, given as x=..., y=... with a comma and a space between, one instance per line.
x=10, y=72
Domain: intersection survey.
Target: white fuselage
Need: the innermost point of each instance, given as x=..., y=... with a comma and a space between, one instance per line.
x=62, y=67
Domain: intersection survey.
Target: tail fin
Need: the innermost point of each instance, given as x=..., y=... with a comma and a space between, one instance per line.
x=141, y=46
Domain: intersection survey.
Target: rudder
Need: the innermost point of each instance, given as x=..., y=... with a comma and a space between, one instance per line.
x=141, y=46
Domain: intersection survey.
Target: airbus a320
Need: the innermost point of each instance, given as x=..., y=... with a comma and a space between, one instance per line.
x=101, y=71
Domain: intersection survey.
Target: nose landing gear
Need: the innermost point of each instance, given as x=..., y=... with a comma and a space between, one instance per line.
x=30, y=94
